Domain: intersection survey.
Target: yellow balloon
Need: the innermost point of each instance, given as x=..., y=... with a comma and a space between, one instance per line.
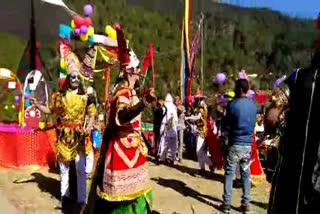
x=6, y=107
x=84, y=37
x=112, y=33
x=72, y=24
x=62, y=64
x=90, y=31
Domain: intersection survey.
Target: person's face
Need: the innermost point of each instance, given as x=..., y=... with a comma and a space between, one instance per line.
x=74, y=80
x=133, y=74
x=177, y=101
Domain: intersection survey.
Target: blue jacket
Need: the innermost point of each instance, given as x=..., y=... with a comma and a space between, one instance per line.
x=240, y=121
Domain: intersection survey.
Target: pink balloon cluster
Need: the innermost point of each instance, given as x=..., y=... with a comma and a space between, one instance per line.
x=82, y=26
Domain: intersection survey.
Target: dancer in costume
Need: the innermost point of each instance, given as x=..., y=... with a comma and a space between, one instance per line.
x=121, y=178
x=169, y=131
x=201, y=115
x=70, y=104
x=212, y=140
x=256, y=172
x=181, y=127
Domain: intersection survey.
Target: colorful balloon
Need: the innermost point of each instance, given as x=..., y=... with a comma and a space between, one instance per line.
x=87, y=21
x=88, y=9
x=17, y=99
x=220, y=77
x=76, y=31
x=84, y=37
x=90, y=39
x=90, y=31
x=111, y=32
x=78, y=21
x=251, y=93
x=72, y=24
x=116, y=26
x=83, y=29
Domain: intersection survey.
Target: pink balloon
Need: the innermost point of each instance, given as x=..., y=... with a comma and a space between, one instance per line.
x=78, y=21
x=76, y=31
x=87, y=22
x=220, y=77
x=116, y=26
x=16, y=99
x=83, y=29
x=88, y=9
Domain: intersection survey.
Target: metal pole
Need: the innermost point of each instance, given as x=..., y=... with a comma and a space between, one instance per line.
x=32, y=38
x=202, y=50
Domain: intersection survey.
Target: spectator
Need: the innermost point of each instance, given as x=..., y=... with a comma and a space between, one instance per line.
x=240, y=123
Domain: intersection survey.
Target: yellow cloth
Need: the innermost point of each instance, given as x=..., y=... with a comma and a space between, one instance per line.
x=71, y=110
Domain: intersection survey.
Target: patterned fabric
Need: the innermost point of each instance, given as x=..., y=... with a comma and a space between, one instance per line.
x=70, y=110
x=125, y=173
x=202, y=123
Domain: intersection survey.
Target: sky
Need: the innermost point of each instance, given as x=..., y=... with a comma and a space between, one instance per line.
x=296, y=8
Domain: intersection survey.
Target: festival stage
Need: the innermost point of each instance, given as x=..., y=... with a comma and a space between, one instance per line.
x=21, y=147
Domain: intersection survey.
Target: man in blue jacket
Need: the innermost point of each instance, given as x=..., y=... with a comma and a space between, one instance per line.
x=239, y=126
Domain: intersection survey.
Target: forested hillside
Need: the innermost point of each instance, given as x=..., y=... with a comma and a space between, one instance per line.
x=259, y=40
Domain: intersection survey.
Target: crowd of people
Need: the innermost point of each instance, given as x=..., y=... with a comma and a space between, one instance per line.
x=230, y=135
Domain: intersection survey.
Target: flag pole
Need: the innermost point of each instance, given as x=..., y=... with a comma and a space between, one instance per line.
x=32, y=38
x=202, y=50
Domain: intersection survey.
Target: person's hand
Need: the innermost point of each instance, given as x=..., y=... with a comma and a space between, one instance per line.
x=150, y=95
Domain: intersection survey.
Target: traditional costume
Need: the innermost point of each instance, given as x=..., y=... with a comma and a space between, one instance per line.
x=296, y=184
x=256, y=172
x=169, y=130
x=212, y=140
x=200, y=118
x=71, y=107
x=121, y=180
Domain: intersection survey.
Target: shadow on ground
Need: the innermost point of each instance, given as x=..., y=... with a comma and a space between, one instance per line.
x=51, y=186
x=186, y=191
x=260, y=204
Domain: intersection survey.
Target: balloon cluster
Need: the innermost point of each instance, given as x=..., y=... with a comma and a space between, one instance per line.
x=82, y=26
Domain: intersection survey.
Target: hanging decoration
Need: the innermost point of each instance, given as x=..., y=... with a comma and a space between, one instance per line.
x=32, y=116
x=7, y=74
x=185, y=65
x=147, y=62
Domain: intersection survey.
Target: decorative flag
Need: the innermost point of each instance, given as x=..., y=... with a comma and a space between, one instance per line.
x=185, y=65
x=147, y=62
x=194, y=49
x=25, y=63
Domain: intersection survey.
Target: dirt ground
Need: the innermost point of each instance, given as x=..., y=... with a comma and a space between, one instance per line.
x=176, y=190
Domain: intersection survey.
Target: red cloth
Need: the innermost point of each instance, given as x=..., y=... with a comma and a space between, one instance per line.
x=213, y=145
x=29, y=148
x=256, y=171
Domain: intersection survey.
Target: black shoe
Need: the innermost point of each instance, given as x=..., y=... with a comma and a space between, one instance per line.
x=245, y=209
x=212, y=169
x=225, y=208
